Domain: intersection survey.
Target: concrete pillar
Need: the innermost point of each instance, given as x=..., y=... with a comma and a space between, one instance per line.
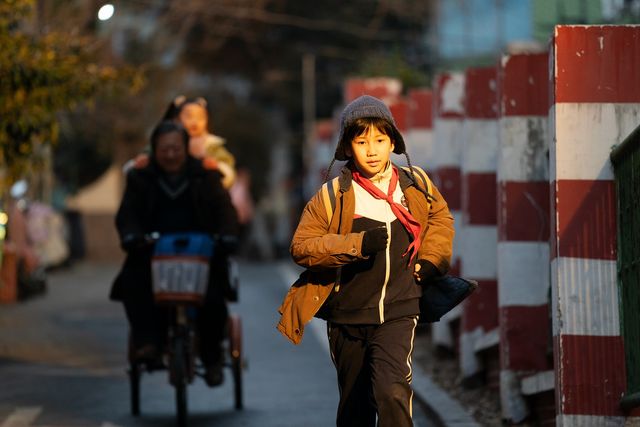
x=448, y=111
x=523, y=227
x=320, y=148
x=419, y=136
x=478, y=228
x=385, y=88
x=9, y=274
x=595, y=104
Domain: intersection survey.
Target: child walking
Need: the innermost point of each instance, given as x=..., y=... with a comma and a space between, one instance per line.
x=368, y=240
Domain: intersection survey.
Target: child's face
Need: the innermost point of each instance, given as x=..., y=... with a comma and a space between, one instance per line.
x=370, y=151
x=194, y=119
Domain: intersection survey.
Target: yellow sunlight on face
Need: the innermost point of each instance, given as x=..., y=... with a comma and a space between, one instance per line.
x=194, y=119
x=370, y=151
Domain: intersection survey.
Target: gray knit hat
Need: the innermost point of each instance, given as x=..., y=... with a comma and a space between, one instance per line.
x=367, y=106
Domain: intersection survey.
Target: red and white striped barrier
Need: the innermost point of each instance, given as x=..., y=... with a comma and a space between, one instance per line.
x=320, y=148
x=523, y=226
x=478, y=228
x=385, y=88
x=448, y=113
x=419, y=136
x=596, y=103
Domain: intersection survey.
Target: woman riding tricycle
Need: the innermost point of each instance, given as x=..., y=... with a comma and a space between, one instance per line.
x=174, y=193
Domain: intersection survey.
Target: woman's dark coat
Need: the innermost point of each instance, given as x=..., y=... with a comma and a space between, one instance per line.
x=214, y=214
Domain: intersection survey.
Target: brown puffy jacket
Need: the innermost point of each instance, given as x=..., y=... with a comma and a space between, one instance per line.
x=322, y=247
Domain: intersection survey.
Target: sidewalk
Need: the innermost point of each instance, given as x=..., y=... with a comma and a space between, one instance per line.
x=37, y=343
x=441, y=406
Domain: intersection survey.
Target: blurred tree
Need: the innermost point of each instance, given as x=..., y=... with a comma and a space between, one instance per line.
x=84, y=149
x=250, y=136
x=245, y=57
x=394, y=64
x=265, y=40
x=42, y=74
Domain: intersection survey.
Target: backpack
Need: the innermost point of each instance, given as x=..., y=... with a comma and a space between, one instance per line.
x=329, y=195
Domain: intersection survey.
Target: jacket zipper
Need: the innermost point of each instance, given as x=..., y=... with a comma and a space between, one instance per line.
x=336, y=287
x=386, y=273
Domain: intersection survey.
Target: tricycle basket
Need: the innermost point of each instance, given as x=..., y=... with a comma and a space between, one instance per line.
x=180, y=267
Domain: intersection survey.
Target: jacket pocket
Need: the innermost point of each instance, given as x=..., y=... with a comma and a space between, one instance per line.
x=289, y=324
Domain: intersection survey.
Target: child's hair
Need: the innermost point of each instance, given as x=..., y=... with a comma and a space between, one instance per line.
x=358, y=127
x=176, y=106
x=165, y=127
x=361, y=125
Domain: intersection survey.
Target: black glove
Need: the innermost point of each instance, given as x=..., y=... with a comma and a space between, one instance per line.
x=227, y=244
x=132, y=241
x=427, y=272
x=374, y=240
x=135, y=241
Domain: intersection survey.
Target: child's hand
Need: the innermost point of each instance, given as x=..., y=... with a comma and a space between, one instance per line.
x=425, y=271
x=374, y=240
x=210, y=163
x=141, y=161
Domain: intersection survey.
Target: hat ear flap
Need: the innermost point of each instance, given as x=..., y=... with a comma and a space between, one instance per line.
x=347, y=152
x=398, y=142
x=340, y=153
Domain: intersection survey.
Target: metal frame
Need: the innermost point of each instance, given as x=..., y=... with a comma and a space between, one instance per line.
x=626, y=163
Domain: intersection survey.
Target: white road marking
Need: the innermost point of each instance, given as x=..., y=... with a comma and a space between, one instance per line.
x=25, y=416
x=22, y=417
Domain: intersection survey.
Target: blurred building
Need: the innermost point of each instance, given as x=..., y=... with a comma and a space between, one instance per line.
x=473, y=32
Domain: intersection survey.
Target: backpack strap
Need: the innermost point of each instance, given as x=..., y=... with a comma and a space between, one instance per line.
x=329, y=190
x=425, y=181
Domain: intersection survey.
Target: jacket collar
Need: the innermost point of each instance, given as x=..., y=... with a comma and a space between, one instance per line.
x=193, y=168
x=345, y=178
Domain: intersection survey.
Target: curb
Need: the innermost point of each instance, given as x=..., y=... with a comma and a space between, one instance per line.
x=445, y=410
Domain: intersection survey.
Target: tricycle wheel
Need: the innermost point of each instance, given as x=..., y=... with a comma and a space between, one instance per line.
x=179, y=379
x=235, y=350
x=181, y=405
x=134, y=382
x=134, y=378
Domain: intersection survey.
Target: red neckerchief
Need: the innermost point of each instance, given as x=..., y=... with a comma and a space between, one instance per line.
x=398, y=210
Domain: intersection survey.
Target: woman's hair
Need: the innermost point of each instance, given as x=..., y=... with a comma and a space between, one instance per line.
x=168, y=126
x=176, y=106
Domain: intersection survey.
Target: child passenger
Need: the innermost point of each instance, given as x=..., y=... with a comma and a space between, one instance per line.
x=192, y=114
x=365, y=265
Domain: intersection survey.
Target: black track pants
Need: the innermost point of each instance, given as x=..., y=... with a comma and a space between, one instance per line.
x=373, y=364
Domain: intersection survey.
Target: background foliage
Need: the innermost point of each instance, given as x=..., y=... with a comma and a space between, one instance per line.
x=61, y=68
x=42, y=74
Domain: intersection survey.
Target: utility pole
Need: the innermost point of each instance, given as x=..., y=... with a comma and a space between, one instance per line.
x=43, y=184
x=500, y=38
x=308, y=110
